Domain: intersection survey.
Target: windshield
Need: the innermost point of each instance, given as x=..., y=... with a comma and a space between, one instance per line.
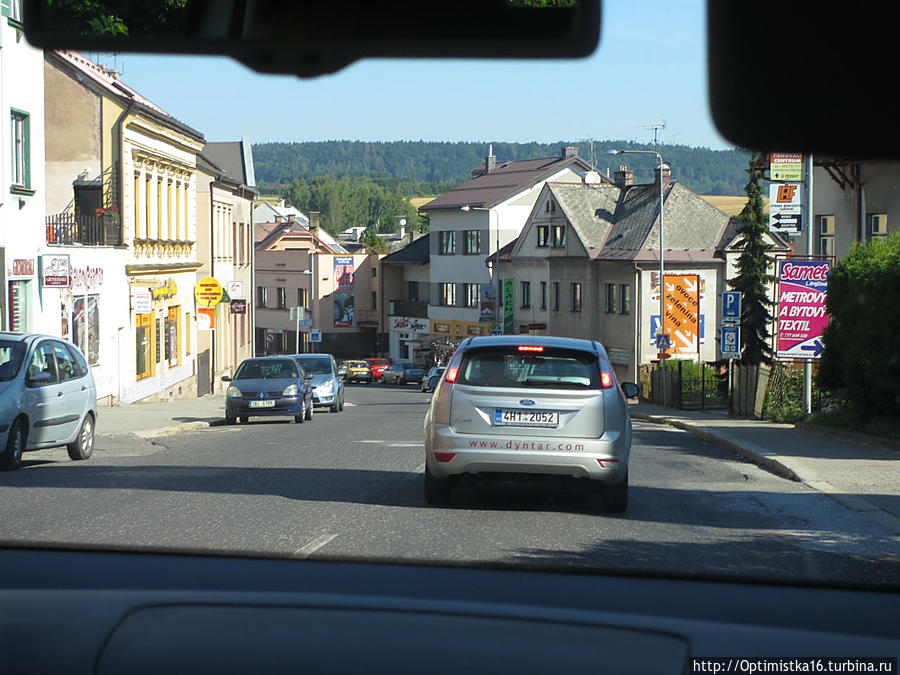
x=214, y=222
x=12, y=352
x=256, y=369
x=316, y=365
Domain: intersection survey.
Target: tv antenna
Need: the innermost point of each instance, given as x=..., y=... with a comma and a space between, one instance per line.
x=656, y=126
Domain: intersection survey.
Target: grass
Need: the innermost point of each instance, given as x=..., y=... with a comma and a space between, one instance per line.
x=847, y=420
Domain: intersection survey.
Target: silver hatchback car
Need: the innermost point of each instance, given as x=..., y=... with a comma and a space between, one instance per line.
x=543, y=406
x=47, y=397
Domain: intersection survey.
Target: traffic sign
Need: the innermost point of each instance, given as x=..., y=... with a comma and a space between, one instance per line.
x=496, y=331
x=663, y=341
x=785, y=166
x=315, y=336
x=786, y=207
x=731, y=342
x=731, y=306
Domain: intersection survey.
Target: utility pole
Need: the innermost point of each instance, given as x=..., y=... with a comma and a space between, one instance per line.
x=808, y=217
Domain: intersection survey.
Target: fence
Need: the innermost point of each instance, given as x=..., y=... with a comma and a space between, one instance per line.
x=687, y=385
x=68, y=228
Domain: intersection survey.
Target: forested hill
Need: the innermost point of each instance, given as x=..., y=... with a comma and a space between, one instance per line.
x=705, y=171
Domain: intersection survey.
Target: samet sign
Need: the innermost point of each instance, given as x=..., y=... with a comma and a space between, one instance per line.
x=802, y=290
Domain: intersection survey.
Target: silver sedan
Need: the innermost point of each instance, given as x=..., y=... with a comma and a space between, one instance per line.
x=513, y=406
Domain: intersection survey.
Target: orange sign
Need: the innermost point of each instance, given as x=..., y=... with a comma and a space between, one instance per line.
x=206, y=318
x=682, y=320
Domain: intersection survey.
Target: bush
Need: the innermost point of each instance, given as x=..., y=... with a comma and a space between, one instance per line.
x=861, y=360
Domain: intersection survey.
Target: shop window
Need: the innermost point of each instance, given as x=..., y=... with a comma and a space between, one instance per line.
x=187, y=333
x=173, y=353
x=18, y=306
x=142, y=345
x=86, y=326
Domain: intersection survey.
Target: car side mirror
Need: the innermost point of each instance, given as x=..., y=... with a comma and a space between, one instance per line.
x=631, y=390
x=307, y=378
x=226, y=378
x=433, y=381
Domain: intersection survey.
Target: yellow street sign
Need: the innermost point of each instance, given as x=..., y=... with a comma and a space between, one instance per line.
x=208, y=292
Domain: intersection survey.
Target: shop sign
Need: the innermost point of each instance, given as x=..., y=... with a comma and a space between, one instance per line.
x=208, y=292
x=235, y=289
x=206, y=318
x=142, y=301
x=23, y=267
x=238, y=306
x=167, y=290
x=413, y=325
x=87, y=278
x=56, y=272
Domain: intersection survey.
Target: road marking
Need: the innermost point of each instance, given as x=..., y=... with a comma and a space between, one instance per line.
x=407, y=445
x=370, y=441
x=417, y=472
x=313, y=546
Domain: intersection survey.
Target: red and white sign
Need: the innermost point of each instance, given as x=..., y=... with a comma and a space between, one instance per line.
x=802, y=290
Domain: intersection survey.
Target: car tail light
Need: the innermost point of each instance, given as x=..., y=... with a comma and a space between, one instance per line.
x=444, y=456
x=604, y=462
x=606, y=381
x=453, y=367
x=530, y=348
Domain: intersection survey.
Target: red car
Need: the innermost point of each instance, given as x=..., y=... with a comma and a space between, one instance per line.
x=377, y=366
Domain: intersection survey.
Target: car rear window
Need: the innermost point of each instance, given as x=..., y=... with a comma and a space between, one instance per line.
x=549, y=368
x=379, y=362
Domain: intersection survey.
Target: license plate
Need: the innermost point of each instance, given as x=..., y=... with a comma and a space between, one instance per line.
x=504, y=417
x=262, y=404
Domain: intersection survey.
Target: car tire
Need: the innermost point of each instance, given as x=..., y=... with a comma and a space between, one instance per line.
x=244, y=419
x=309, y=412
x=615, y=497
x=437, y=490
x=15, y=445
x=83, y=445
x=230, y=419
x=298, y=419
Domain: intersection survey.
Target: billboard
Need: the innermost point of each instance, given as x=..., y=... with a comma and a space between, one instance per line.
x=343, y=293
x=682, y=319
x=802, y=287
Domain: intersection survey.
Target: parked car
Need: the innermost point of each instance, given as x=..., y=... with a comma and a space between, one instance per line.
x=357, y=371
x=378, y=365
x=435, y=371
x=536, y=406
x=47, y=397
x=268, y=386
x=327, y=382
x=402, y=372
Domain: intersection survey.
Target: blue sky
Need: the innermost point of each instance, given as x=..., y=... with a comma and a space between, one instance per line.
x=650, y=67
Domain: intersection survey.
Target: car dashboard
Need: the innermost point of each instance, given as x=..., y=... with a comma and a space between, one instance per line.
x=112, y=612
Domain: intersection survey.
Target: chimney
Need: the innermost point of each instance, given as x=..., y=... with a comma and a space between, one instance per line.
x=623, y=177
x=313, y=220
x=490, y=162
x=569, y=151
x=666, y=174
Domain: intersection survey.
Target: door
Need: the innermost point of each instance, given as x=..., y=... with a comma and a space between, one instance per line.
x=75, y=387
x=204, y=382
x=44, y=400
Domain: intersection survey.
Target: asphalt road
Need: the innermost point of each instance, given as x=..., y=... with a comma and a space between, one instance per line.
x=349, y=485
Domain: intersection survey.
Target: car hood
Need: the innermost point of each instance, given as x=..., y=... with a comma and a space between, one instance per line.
x=264, y=384
x=320, y=379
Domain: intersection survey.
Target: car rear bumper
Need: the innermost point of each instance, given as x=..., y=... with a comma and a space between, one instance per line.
x=449, y=453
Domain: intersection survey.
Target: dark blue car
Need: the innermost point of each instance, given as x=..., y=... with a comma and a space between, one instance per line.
x=269, y=386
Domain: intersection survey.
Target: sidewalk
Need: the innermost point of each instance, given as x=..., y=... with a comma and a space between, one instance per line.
x=149, y=420
x=861, y=474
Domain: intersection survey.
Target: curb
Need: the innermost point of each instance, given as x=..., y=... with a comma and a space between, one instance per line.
x=770, y=461
x=169, y=430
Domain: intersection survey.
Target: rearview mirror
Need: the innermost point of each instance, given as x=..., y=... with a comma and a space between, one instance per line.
x=433, y=381
x=313, y=38
x=631, y=390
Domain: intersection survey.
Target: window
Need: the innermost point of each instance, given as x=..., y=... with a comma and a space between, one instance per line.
x=550, y=206
x=447, y=243
x=21, y=150
x=302, y=297
x=559, y=236
x=625, y=299
x=42, y=362
x=526, y=293
x=826, y=235
x=281, y=297
x=374, y=299
x=66, y=366
x=543, y=295
x=142, y=339
x=576, y=296
x=15, y=11
x=448, y=294
x=412, y=291
x=472, y=242
x=543, y=236
x=86, y=326
x=878, y=224
x=610, y=297
x=555, y=305
x=262, y=296
x=187, y=333
x=18, y=306
x=471, y=293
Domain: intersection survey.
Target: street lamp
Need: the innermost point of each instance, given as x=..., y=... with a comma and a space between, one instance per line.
x=662, y=278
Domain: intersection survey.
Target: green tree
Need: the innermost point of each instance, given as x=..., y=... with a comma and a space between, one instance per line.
x=373, y=243
x=753, y=277
x=860, y=363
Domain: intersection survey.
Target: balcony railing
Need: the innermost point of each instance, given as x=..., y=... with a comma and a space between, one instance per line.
x=64, y=229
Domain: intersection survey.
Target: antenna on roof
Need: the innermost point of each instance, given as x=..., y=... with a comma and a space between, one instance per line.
x=590, y=141
x=656, y=126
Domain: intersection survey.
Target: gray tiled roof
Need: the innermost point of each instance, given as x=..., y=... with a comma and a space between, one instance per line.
x=414, y=253
x=505, y=180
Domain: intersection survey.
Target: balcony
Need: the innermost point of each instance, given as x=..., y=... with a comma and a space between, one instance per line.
x=410, y=308
x=67, y=228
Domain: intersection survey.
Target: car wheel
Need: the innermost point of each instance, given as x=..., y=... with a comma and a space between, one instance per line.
x=83, y=445
x=437, y=490
x=244, y=419
x=230, y=419
x=15, y=445
x=298, y=419
x=309, y=411
x=615, y=497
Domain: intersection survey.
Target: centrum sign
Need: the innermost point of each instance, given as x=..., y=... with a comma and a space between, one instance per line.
x=802, y=288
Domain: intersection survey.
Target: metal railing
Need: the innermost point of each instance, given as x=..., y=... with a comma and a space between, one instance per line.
x=65, y=229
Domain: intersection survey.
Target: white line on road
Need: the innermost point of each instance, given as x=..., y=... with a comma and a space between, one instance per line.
x=406, y=445
x=417, y=472
x=313, y=546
